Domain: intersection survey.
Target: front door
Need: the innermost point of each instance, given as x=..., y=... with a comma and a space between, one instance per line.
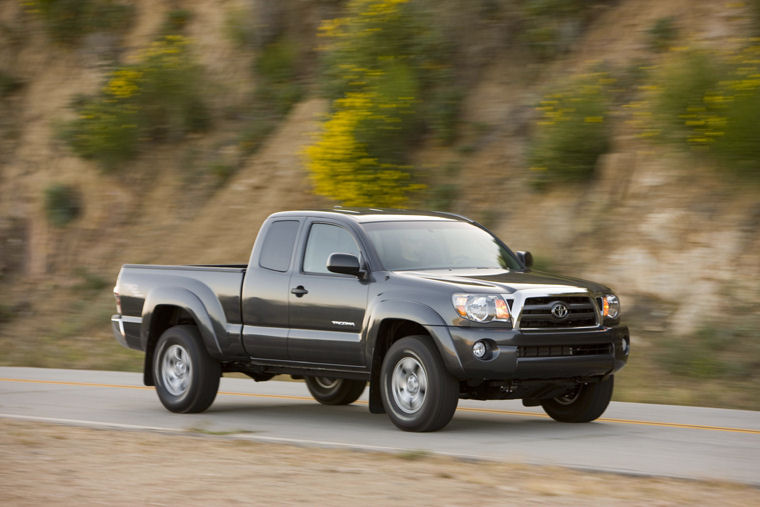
x=326, y=309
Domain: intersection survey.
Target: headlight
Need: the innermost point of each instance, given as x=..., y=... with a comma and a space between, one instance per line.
x=481, y=307
x=611, y=306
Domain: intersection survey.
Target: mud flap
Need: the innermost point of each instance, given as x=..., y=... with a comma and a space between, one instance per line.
x=375, y=401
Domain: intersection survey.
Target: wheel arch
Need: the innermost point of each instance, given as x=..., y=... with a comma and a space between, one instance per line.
x=168, y=307
x=393, y=320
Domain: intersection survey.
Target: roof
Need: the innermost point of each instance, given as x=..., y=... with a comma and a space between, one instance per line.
x=366, y=215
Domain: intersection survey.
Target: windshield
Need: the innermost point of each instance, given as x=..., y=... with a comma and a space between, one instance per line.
x=404, y=246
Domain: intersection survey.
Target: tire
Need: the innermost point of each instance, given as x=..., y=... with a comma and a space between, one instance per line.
x=335, y=391
x=585, y=404
x=186, y=377
x=417, y=391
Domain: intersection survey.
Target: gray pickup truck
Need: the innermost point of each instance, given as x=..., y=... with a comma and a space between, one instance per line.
x=426, y=307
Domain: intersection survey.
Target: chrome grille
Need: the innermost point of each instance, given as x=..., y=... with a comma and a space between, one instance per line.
x=537, y=312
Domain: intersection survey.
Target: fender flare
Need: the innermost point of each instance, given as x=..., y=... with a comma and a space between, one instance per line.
x=423, y=315
x=209, y=318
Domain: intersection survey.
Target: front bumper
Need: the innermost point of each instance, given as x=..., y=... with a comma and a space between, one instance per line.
x=516, y=355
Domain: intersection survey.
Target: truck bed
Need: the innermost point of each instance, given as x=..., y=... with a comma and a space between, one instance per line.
x=214, y=285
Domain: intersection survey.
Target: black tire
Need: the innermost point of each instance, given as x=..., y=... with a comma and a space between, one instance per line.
x=585, y=404
x=417, y=391
x=186, y=377
x=335, y=391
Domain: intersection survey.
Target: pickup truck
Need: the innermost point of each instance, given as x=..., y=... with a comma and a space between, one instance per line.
x=426, y=307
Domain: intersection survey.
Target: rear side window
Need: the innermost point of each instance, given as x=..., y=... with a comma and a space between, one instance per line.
x=278, y=245
x=325, y=240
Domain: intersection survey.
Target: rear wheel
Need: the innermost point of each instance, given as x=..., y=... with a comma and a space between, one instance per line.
x=187, y=378
x=584, y=403
x=417, y=391
x=335, y=391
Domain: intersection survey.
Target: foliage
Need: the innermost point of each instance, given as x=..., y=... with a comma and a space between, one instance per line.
x=157, y=99
x=276, y=68
x=66, y=21
x=62, y=204
x=278, y=89
x=222, y=171
x=238, y=27
x=342, y=166
x=89, y=281
x=662, y=33
x=6, y=313
x=442, y=196
x=572, y=132
x=385, y=68
x=9, y=83
x=176, y=21
x=549, y=27
x=714, y=352
x=708, y=102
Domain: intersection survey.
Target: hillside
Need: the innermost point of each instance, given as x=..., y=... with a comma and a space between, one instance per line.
x=673, y=231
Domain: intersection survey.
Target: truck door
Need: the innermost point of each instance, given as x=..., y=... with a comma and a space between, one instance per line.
x=326, y=309
x=266, y=289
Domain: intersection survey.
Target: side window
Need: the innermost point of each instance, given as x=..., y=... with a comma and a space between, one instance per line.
x=323, y=241
x=278, y=245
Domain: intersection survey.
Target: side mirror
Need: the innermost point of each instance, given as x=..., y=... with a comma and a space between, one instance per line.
x=526, y=258
x=345, y=264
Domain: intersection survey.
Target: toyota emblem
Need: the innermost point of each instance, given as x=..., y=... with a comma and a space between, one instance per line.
x=559, y=310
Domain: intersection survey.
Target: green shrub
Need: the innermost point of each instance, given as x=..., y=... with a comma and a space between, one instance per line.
x=9, y=83
x=572, y=132
x=89, y=281
x=6, y=313
x=222, y=171
x=255, y=132
x=66, y=21
x=278, y=87
x=549, y=27
x=238, y=27
x=157, y=99
x=176, y=21
x=754, y=6
x=62, y=204
x=662, y=34
x=711, y=102
x=714, y=352
x=443, y=196
x=385, y=67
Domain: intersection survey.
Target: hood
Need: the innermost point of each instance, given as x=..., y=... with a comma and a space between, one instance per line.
x=504, y=281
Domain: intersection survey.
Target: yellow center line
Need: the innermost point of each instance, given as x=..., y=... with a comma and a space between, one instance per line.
x=460, y=409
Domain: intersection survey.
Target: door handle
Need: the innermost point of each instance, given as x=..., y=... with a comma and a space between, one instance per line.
x=299, y=291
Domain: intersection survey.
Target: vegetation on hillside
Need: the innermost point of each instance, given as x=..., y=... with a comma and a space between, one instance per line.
x=386, y=68
x=710, y=102
x=395, y=73
x=573, y=131
x=67, y=21
x=157, y=99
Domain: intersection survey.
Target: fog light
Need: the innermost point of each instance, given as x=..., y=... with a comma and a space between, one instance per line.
x=625, y=346
x=479, y=350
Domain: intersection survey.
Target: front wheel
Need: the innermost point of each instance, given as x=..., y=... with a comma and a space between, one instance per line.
x=417, y=391
x=584, y=403
x=186, y=377
x=335, y=391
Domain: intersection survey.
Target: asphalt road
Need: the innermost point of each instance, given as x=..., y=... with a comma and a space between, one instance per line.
x=634, y=438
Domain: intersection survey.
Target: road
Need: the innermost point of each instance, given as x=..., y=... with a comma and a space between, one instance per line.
x=631, y=438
